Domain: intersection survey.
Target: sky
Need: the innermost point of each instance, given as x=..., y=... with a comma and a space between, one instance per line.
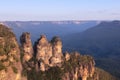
x=52, y=10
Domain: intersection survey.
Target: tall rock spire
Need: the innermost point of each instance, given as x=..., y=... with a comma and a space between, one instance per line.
x=56, y=59
x=27, y=46
x=48, y=53
x=43, y=52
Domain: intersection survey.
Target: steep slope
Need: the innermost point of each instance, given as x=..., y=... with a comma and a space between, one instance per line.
x=103, y=75
x=101, y=41
x=10, y=64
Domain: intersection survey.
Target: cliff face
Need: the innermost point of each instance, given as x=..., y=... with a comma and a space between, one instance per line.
x=10, y=64
x=48, y=54
x=26, y=45
x=45, y=62
x=78, y=67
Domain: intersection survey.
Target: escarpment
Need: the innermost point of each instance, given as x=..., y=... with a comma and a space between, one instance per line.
x=49, y=55
x=10, y=64
x=43, y=61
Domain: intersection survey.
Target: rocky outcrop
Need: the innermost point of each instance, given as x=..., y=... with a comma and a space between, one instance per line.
x=67, y=56
x=44, y=50
x=10, y=64
x=48, y=54
x=26, y=46
x=79, y=67
x=27, y=54
x=56, y=59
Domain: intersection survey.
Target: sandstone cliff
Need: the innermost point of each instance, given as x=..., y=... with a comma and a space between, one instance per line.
x=10, y=64
x=78, y=67
x=27, y=47
x=48, y=54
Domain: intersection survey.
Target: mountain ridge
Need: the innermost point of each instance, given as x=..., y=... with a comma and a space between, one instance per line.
x=102, y=42
x=48, y=27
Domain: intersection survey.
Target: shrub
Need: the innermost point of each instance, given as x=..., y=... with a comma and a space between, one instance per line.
x=15, y=70
x=2, y=67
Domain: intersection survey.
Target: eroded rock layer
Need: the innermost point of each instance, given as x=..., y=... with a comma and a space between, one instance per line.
x=10, y=64
x=48, y=54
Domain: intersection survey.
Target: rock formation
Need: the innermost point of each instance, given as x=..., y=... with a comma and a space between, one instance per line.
x=10, y=64
x=45, y=62
x=67, y=56
x=56, y=59
x=27, y=54
x=26, y=46
x=79, y=67
x=48, y=53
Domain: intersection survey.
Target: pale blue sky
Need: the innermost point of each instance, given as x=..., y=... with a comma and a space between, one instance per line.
x=47, y=10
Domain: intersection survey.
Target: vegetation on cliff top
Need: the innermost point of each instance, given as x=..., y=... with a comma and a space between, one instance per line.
x=7, y=44
x=5, y=40
x=57, y=73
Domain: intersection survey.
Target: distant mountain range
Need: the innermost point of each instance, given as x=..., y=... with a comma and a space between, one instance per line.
x=49, y=28
x=103, y=36
x=101, y=41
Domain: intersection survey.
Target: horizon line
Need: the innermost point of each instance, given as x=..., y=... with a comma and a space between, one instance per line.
x=53, y=20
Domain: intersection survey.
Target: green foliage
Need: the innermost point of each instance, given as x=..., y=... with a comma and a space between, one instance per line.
x=6, y=34
x=103, y=75
x=12, y=45
x=54, y=73
x=6, y=41
x=110, y=65
x=21, y=54
x=32, y=75
x=15, y=70
x=15, y=58
x=2, y=52
x=5, y=31
x=2, y=67
x=75, y=61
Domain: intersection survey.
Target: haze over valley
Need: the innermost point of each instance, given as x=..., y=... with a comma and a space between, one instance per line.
x=49, y=28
